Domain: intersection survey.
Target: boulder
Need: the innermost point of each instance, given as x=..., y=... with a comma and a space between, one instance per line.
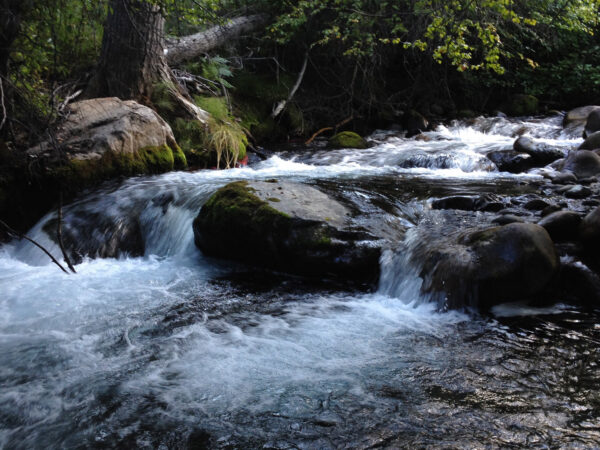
x=94, y=235
x=578, y=116
x=589, y=229
x=414, y=122
x=347, y=139
x=505, y=219
x=564, y=178
x=540, y=153
x=592, y=142
x=592, y=124
x=522, y=105
x=562, y=225
x=483, y=268
x=466, y=203
x=511, y=161
x=578, y=191
x=105, y=137
x=286, y=226
x=582, y=163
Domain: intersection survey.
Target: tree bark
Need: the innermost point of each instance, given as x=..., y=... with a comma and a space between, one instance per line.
x=132, y=61
x=190, y=47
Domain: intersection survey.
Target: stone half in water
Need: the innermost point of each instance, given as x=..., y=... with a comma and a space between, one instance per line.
x=483, y=268
x=288, y=227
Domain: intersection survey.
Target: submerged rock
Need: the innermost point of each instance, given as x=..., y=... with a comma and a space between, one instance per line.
x=286, y=226
x=347, y=139
x=491, y=266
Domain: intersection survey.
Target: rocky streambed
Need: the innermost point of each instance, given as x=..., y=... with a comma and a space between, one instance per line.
x=320, y=299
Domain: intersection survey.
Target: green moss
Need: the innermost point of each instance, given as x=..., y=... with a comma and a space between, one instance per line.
x=86, y=172
x=157, y=159
x=179, y=159
x=235, y=203
x=522, y=105
x=274, y=199
x=347, y=139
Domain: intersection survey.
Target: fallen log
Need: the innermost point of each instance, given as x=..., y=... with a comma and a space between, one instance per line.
x=189, y=47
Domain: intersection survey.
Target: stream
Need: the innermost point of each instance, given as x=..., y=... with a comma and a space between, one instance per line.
x=175, y=350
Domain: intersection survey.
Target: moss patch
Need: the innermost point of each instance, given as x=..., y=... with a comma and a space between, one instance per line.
x=79, y=173
x=347, y=139
x=235, y=204
x=522, y=105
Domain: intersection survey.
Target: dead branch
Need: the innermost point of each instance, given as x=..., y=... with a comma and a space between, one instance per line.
x=189, y=47
x=16, y=235
x=59, y=235
x=323, y=130
x=4, y=114
x=282, y=104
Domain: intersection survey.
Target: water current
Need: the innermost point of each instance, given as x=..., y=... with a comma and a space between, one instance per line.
x=176, y=350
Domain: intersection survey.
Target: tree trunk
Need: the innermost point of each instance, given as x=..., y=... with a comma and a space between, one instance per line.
x=190, y=47
x=132, y=61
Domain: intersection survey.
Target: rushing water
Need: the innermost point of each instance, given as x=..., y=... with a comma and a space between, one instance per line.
x=175, y=350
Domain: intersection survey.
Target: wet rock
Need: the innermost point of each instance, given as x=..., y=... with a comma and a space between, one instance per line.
x=582, y=163
x=592, y=124
x=592, y=142
x=347, y=139
x=562, y=225
x=93, y=235
x=505, y=219
x=462, y=203
x=576, y=283
x=578, y=116
x=540, y=153
x=414, y=122
x=578, y=191
x=491, y=266
x=550, y=209
x=466, y=203
x=537, y=204
x=286, y=226
x=590, y=227
x=564, y=178
x=511, y=161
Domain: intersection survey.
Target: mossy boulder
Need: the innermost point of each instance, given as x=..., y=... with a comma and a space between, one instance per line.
x=522, y=105
x=347, y=139
x=285, y=226
x=108, y=137
x=480, y=269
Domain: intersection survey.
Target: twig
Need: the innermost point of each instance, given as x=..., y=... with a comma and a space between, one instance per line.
x=3, y=105
x=282, y=104
x=323, y=130
x=17, y=235
x=60, y=236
